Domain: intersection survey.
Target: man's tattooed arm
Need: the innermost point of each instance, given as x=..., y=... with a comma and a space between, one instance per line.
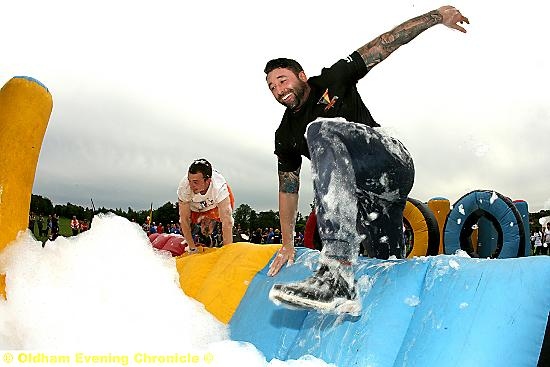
x=289, y=182
x=382, y=46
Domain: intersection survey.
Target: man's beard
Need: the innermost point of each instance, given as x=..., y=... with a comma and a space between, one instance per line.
x=299, y=93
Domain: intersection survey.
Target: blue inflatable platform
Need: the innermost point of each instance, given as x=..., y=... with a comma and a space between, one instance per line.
x=434, y=311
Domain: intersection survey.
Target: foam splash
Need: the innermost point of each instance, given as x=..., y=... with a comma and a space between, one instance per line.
x=412, y=301
x=108, y=290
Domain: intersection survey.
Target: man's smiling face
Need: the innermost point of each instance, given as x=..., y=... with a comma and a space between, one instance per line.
x=289, y=89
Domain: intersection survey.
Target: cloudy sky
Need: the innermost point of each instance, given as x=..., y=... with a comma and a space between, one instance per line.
x=141, y=89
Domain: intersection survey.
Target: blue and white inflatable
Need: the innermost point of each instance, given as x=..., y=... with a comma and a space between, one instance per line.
x=434, y=311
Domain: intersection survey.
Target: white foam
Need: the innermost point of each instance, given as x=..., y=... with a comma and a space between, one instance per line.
x=108, y=290
x=454, y=264
x=461, y=253
x=412, y=301
x=494, y=197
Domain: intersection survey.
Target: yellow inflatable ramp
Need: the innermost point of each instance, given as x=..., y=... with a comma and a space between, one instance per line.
x=220, y=277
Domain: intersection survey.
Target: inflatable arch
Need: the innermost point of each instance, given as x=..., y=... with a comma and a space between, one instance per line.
x=498, y=210
x=431, y=311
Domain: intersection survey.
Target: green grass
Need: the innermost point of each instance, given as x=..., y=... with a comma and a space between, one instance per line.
x=64, y=229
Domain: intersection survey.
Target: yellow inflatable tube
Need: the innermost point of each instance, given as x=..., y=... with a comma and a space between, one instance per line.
x=420, y=230
x=25, y=108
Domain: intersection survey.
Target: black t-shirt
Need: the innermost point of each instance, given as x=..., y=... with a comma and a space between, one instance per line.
x=333, y=94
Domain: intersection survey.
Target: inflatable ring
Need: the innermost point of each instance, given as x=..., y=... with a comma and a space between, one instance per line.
x=499, y=210
x=423, y=224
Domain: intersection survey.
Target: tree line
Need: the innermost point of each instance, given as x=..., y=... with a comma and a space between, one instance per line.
x=244, y=216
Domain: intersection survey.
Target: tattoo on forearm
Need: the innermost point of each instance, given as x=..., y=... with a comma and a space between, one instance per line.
x=382, y=46
x=289, y=182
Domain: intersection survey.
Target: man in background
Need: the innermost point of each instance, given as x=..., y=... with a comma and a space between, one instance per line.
x=205, y=198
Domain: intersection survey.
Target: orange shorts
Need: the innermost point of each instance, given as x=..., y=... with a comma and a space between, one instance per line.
x=212, y=214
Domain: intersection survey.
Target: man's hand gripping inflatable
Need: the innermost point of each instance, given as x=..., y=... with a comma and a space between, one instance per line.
x=285, y=254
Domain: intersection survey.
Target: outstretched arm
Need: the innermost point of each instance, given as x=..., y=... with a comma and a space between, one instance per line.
x=382, y=46
x=289, y=184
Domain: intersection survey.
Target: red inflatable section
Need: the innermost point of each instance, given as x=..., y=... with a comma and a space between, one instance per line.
x=153, y=236
x=168, y=242
x=175, y=245
x=309, y=231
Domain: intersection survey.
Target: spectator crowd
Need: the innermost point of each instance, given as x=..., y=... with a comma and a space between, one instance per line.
x=259, y=236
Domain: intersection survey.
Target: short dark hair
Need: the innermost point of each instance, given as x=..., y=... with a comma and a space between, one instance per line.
x=283, y=63
x=203, y=166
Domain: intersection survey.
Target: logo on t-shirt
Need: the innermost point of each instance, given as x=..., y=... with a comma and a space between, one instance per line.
x=205, y=204
x=329, y=102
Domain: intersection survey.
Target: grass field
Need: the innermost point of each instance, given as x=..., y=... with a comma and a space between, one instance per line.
x=64, y=229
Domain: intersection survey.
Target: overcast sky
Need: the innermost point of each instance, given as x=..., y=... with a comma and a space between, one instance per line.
x=141, y=89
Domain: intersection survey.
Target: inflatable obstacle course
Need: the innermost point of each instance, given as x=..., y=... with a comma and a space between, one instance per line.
x=484, y=223
x=428, y=311
x=477, y=223
x=434, y=311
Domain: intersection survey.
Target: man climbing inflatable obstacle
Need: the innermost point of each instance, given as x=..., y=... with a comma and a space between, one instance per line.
x=205, y=198
x=361, y=176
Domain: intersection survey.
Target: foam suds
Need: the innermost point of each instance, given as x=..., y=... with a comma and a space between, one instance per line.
x=108, y=293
